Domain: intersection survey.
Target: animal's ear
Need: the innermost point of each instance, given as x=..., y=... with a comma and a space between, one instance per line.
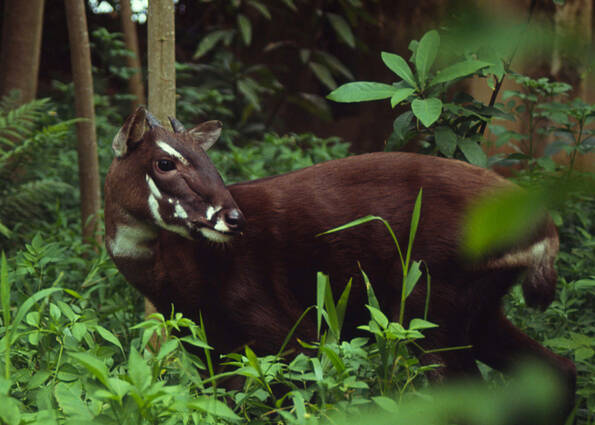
x=206, y=134
x=131, y=132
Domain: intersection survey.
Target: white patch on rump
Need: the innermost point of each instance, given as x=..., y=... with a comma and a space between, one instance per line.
x=131, y=241
x=534, y=255
x=171, y=151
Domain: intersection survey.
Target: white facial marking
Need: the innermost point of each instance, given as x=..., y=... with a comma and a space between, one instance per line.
x=221, y=226
x=179, y=211
x=214, y=236
x=171, y=201
x=131, y=241
x=211, y=211
x=171, y=151
x=153, y=187
x=154, y=207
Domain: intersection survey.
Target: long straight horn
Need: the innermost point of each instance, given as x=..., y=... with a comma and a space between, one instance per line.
x=152, y=121
x=176, y=125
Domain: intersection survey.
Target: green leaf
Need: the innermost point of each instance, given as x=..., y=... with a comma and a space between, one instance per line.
x=458, y=70
x=413, y=275
x=398, y=65
x=417, y=324
x=208, y=42
x=262, y=9
x=427, y=110
x=342, y=29
x=386, y=403
x=26, y=306
x=334, y=63
x=473, y=152
x=139, y=371
x=69, y=398
x=378, y=316
x=213, y=407
x=249, y=93
x=446, y=141
x=400, y=95
x=321, y=283
x=290, y=4
x=401, y=125
x=342, y=303
x=93, y=365
x=167, y=348
x=10, y=412
x=323, y=74
x=498, y=220
x=245, y=29
x=414, y=223
x=583, y=353
x=361, y=91
x=427, y=49
x=338, y=364
x=109, y=337
x=5, y=290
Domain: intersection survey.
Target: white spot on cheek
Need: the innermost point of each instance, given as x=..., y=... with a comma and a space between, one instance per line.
x=154, y=207
x=221, y=226
x=153, y=187
x=179, y=211
x=171, y=151
x=211, y=211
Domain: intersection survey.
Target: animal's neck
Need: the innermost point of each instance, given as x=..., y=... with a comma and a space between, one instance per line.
x=129, y=238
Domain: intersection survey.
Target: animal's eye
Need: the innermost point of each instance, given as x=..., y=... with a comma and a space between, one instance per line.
x=165, y=165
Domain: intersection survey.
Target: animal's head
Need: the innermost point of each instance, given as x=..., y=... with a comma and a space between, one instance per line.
x=166, y=179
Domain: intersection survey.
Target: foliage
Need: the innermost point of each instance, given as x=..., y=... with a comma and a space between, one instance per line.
x=25, y=188
x=69, y=355
x=275, y=154
x=450, y=123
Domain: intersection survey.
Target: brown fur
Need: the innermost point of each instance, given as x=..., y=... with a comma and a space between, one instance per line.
x=253, y=289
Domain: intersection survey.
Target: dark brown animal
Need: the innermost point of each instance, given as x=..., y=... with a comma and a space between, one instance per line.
x=246, y=255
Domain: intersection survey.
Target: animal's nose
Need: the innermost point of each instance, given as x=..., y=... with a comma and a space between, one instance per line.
x=234, y=219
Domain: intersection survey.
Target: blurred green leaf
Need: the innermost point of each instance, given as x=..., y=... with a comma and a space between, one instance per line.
x=342, y=29
x=245, y=29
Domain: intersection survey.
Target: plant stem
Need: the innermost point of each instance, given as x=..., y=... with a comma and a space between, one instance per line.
x=506, y=67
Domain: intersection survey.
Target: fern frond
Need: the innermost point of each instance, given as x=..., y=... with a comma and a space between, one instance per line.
x=19, y=123
x=27, y=201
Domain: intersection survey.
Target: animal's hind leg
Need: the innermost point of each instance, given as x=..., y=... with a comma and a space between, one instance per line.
x=499, y=344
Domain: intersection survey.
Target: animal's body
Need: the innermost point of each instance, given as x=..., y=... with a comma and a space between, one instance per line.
x=246, y=256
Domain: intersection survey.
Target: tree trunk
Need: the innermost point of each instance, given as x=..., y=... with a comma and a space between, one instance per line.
x=135, y=83
x=80, y=56
x=21, y=47
x=161, y=59
x=161, y=66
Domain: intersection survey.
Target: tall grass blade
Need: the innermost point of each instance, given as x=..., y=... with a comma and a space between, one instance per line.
x=413, y=228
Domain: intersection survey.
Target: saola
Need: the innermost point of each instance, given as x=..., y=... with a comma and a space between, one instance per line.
x=246, y=256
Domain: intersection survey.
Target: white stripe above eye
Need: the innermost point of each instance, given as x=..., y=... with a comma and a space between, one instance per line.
x=171, y=151
x=153, y=187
